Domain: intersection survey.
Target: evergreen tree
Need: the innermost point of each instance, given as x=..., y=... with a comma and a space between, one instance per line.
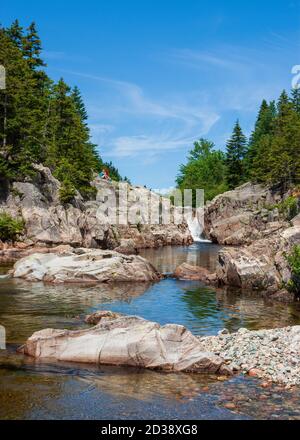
x=296, y=99
x=79, y=103
x=32, y=47
x=42, y=122
x=21, y=113
x=264, y=127
x=15, y=33
x=283, y=102
x=284, y=152
x=236, y=149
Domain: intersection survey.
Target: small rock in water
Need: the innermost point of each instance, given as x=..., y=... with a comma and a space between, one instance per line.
x=223, y=332
x=230, y=406
x=266, y=384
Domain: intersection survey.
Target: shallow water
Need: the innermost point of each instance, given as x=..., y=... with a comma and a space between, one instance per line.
x=32, y=390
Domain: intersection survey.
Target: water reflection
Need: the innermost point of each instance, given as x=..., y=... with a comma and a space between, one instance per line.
x=28, y=307
x=166, y=259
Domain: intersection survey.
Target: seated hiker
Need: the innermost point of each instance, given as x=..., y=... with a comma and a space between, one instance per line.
x=105, y=175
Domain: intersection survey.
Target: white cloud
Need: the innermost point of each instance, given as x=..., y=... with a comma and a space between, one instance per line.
x=174, y=122
x=203, y=59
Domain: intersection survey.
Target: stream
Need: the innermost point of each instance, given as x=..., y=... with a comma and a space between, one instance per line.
x=33, y=389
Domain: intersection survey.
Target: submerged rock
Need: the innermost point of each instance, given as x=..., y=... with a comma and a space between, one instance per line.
x=194, y=273
x=130, y=341
x=96, y=317
x=85, y=265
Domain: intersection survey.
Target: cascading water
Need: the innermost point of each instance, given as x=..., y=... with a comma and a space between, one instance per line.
x=195, y=224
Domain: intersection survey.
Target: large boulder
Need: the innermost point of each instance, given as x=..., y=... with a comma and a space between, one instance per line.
x=85, y=265
x=243, y=215
x=129, y=341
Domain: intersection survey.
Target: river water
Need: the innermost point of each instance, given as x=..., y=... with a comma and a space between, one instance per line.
x=37, y=390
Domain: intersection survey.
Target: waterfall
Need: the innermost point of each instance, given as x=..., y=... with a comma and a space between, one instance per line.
x=196, y=227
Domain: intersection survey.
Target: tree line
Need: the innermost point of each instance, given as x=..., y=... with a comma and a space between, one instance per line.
x=271, y=155
x=42, y=121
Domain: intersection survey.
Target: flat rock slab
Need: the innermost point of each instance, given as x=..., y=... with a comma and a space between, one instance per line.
x=85, y=265
x=127, y=341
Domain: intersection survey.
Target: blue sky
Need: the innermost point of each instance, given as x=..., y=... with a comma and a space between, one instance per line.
x=157, y=75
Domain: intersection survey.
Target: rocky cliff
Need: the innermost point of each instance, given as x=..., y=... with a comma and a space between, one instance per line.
x=251, y=220
x=48, y=223
x=244, y=215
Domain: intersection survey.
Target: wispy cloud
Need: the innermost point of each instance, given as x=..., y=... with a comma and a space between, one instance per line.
x=126, y=146
x=174, y=123
x=203, y=59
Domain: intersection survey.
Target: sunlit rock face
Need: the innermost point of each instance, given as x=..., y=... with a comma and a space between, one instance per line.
x=49, y=223
x=84, y=266
x=261, y=265
x=241, y=216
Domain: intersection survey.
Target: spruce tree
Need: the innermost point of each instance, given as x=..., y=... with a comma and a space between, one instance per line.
x=264, y=128
x=42, y=122
x=32, y=47
x=15, y=33
x=296, y=99
x=235, y=153
x=79, y=103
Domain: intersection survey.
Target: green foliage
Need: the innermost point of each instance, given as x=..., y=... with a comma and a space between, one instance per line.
x=260, y=137
x=40, y=121
x=235, y=154
x=205, y=169
x=289, y=207
x=10, y=228
x=276, y=155
x=294, y=261
x=67, y=192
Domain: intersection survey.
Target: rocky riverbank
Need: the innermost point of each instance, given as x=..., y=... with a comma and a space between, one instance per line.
x=272, y=355
x=254, y=220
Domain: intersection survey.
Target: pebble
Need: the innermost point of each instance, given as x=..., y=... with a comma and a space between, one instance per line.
x=272, y=355
x=230, y=406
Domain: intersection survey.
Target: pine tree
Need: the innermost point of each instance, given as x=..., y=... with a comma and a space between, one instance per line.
x=42, y=122
x=296, y=99
x=32, y=47
x=79, y=103
x=15, y=33
x=284, y=153
x=283, y=102
x=264, y=127
x=21, y=115
x=236, y=149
